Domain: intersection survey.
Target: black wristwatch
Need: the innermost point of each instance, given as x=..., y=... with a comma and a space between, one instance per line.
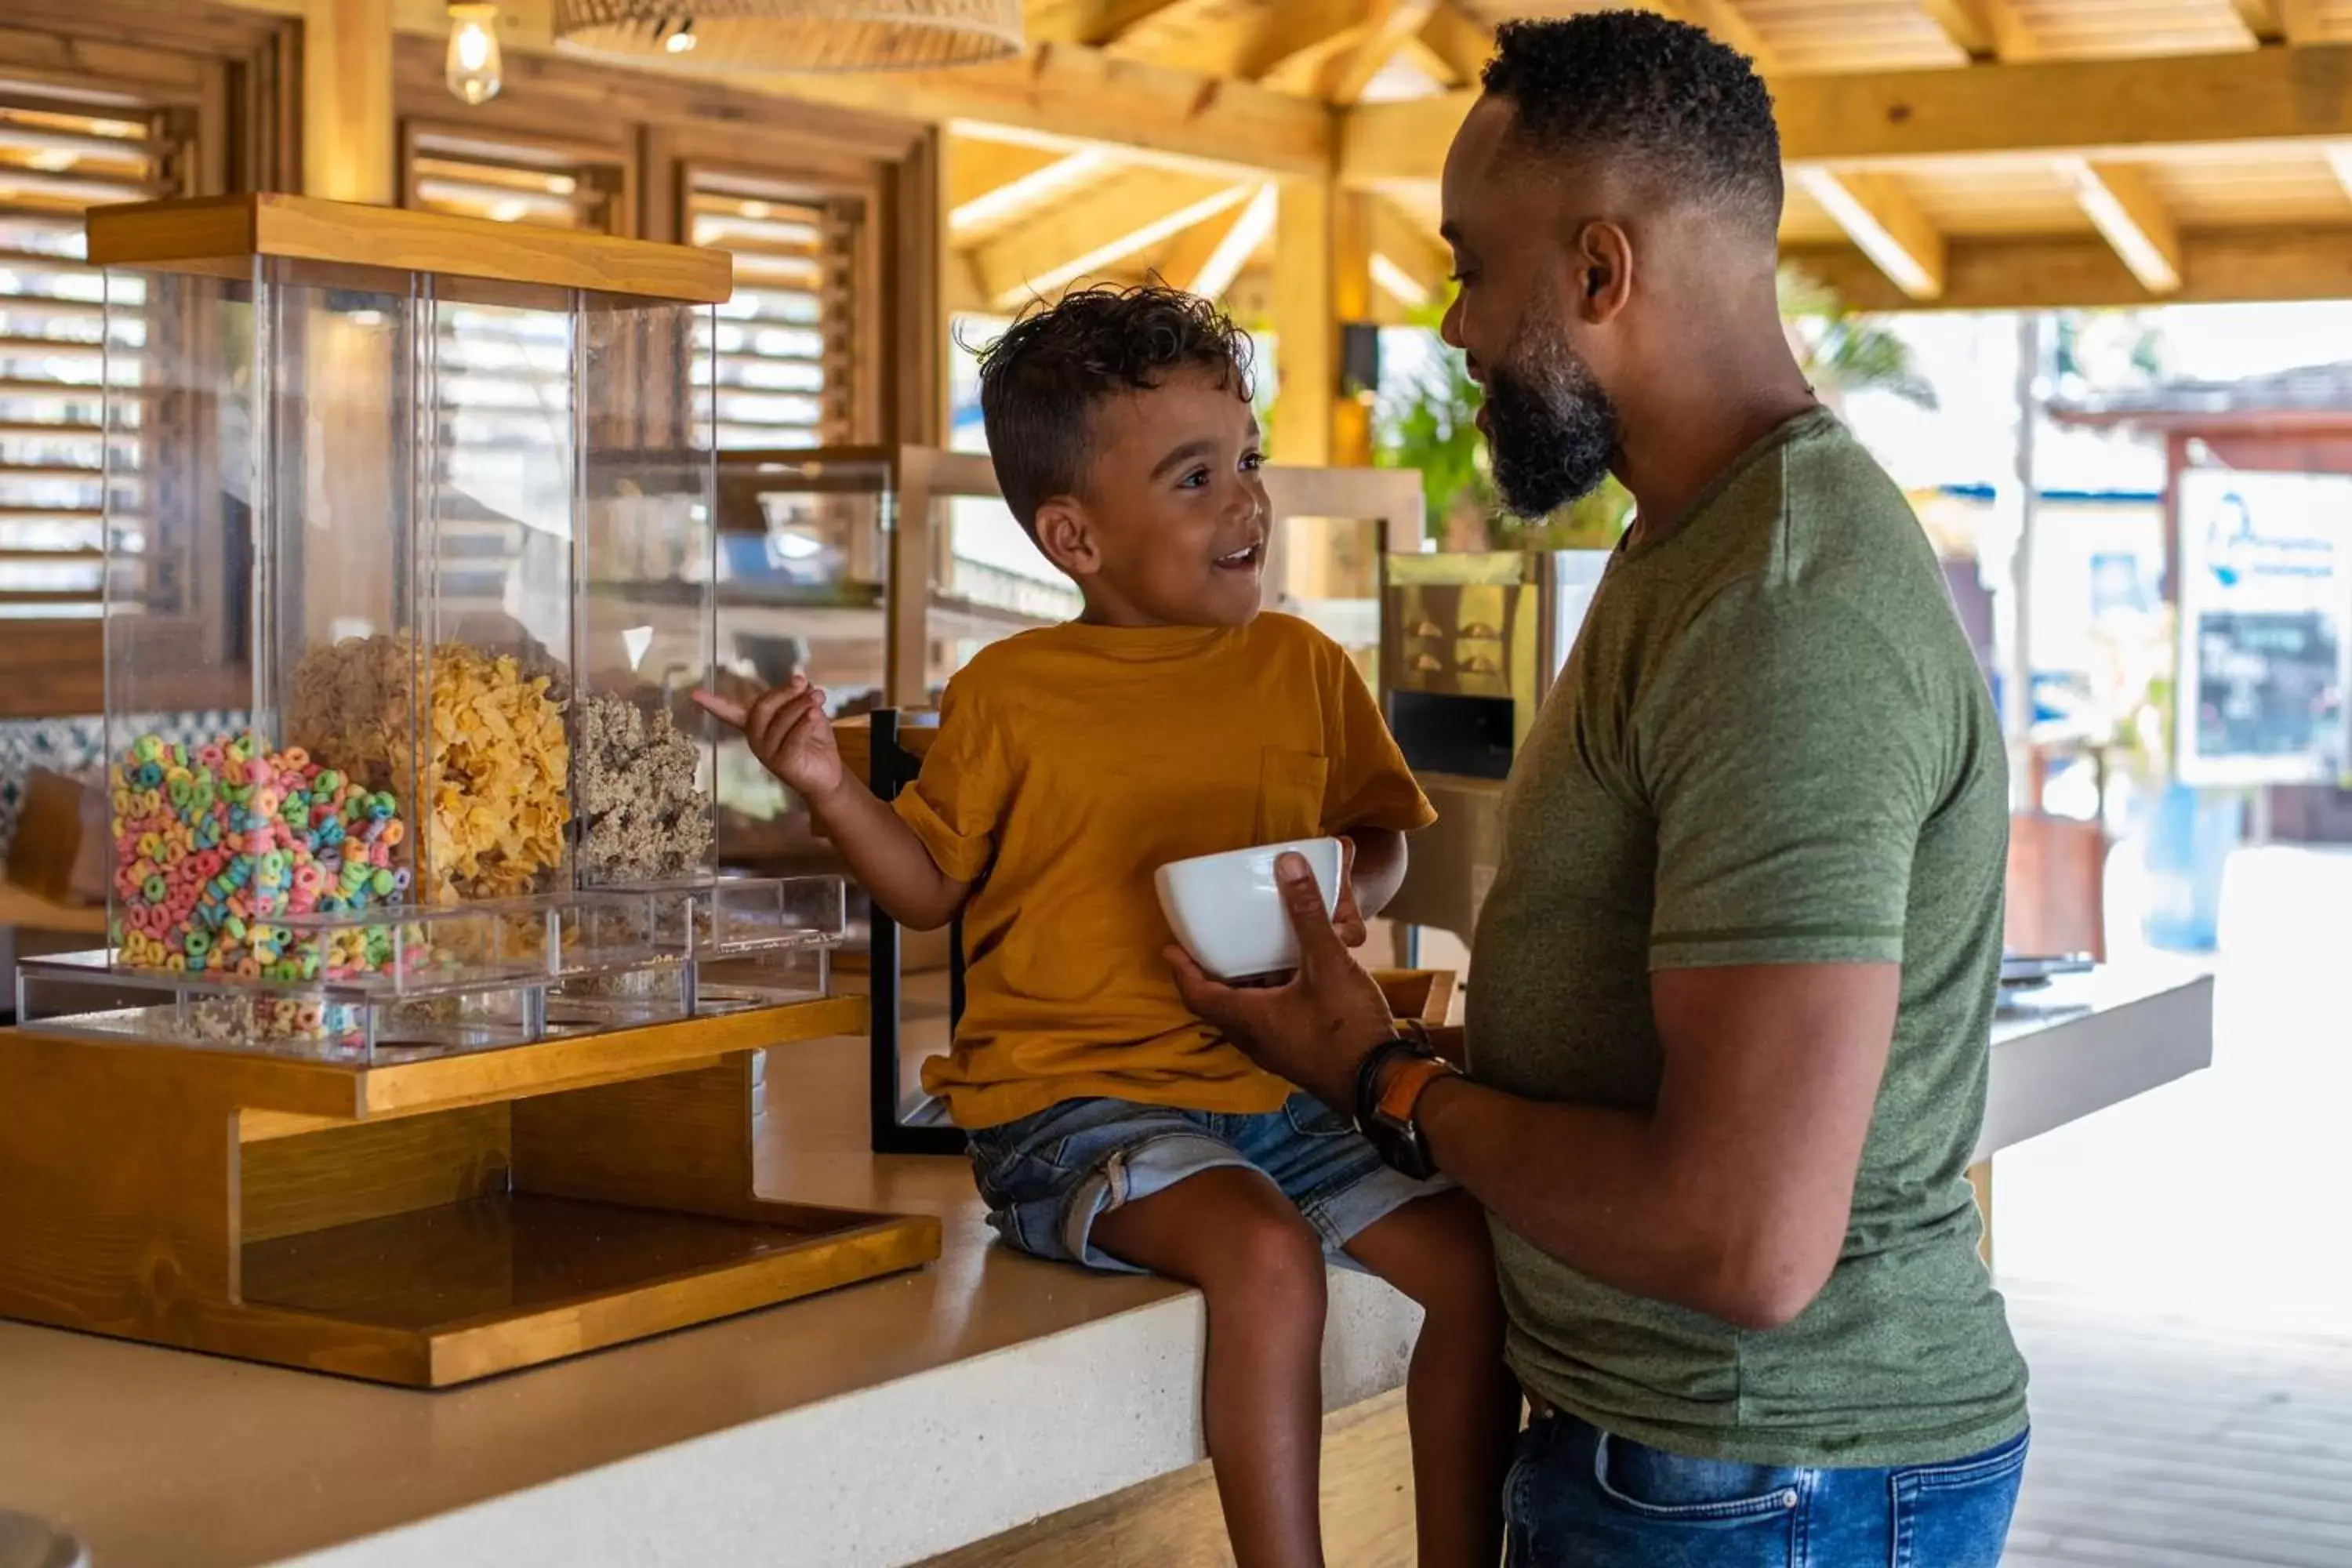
x=1389, y=1085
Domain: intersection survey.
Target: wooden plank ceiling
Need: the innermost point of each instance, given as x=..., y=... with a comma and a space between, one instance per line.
x=1965, y=154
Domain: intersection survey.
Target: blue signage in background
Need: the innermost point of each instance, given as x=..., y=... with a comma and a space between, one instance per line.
x=2265, y=648
x=2119, y=583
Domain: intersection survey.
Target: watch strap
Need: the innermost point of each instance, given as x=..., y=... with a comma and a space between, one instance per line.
x=1376, y=1063
x=1401, y=1093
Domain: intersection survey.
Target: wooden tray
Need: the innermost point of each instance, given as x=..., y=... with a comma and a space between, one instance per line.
x=422, y=1224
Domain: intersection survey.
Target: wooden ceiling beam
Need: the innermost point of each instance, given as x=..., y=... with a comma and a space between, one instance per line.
x=2262, y=21
x=1129, y=213
x=2339, y=159
x=1983, y=29
x=1072, y=90
x=1056, y=89
x=960, y=290
x=2027, y=274
x=977, y=167
x=2048, y=107
x=1879, y=216
x=1726, y=21
x=2125, y=208
x=1248, y=43
x=1206, y=257
x=1455, y=44
x=1096, y=23
x=1387, y=27
x=993, y=211
x=1415, y=253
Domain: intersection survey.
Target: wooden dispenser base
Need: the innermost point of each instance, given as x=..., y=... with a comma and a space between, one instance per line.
x=423, y=1223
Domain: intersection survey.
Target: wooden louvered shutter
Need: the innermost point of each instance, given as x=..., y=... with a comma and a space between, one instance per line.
x=787, y=343
x=61, y=152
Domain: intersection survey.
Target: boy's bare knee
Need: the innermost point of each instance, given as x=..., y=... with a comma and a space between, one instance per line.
x=1270, y=1263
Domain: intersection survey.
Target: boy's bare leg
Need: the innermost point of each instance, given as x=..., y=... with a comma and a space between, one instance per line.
x=1232, y=1233
x=1461, y=1401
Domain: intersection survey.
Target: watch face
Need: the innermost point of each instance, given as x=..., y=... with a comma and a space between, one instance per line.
x=1399, y=1147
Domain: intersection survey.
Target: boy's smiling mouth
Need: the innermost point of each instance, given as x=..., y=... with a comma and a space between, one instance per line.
x=1246, y=559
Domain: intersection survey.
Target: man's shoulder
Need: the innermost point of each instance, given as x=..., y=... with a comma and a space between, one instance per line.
x=1820, y=530
x=1844, y=509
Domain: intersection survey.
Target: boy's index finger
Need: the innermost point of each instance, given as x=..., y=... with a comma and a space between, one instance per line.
x=726, y=710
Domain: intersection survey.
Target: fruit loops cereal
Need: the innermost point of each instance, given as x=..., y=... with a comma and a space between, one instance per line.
x=215, y=845
x=496, y=762
x=248, y=1020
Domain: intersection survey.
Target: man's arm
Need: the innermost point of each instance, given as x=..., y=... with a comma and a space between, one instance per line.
x=1732, y=1198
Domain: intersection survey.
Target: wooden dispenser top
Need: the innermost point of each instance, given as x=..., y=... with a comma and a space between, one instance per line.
x=222, y=235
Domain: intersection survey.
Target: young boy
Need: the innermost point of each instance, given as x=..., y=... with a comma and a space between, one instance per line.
x=1108, y=1126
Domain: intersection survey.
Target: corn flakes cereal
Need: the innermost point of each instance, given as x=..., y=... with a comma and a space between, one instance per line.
x=496, y=764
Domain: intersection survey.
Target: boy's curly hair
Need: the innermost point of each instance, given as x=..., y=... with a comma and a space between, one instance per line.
x=1039, y=382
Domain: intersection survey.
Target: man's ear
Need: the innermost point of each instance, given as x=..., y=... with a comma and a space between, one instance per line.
x=1065, y=533
x=1603, y=257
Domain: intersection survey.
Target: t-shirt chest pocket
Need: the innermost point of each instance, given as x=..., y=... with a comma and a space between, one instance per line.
x=1290, y=788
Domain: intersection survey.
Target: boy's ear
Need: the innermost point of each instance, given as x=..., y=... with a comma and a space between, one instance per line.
x=1065, y=533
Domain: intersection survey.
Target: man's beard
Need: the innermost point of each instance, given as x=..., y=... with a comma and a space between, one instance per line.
x=1550, y=426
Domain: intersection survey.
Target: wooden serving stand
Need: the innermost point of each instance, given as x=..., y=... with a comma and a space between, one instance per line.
x=424, y=1222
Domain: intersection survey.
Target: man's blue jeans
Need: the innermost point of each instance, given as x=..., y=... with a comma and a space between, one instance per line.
x=1578, y=1498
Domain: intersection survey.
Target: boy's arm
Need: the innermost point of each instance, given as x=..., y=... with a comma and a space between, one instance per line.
x=1378, y=866
x=886, y=857
x=1370, y=797
x=789, y=733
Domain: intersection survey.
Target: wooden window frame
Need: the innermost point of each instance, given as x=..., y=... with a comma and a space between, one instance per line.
x=859, y=361
x=668, y=124
x=620, y=209
x=238, y=76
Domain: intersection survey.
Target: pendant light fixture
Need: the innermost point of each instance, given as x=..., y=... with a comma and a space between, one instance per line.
x=472, y=66
x=793, y=34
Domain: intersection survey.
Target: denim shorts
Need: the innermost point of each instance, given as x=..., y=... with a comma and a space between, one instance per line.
x=1579, y=1498
x=1048, y=1178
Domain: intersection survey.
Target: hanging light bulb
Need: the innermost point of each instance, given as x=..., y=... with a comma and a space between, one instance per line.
x=472, y=69
x=681, y=39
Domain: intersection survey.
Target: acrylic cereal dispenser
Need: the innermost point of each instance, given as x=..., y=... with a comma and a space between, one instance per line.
x=426, y=506
x=429, y=1042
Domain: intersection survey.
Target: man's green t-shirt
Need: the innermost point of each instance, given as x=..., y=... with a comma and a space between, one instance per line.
x=1771, y=746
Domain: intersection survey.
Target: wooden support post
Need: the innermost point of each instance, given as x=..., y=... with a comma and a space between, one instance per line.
x=1322, y=277
x=913, y=273
x=1351, y=300
x=1306, y=337
x=348, y=123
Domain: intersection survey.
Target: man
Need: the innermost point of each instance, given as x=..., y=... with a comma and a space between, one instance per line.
x=1729, y=1026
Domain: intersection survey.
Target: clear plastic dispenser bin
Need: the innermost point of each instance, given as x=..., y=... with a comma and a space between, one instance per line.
x=412, y=556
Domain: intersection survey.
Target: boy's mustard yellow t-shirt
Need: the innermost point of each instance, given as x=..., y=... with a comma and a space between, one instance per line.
x=1071, y=764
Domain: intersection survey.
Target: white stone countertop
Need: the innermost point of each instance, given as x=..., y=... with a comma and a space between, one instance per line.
x=870, y=1428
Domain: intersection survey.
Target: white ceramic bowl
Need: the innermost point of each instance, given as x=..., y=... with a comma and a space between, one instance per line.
x=1227, y=908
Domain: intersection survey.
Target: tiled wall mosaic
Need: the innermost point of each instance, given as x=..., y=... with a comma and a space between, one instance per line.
x=78, y=746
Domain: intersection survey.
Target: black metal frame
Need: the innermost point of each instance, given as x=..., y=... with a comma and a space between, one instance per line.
x=893, y=769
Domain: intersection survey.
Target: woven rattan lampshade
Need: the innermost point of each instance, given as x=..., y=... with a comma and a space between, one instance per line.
x=793, y=34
